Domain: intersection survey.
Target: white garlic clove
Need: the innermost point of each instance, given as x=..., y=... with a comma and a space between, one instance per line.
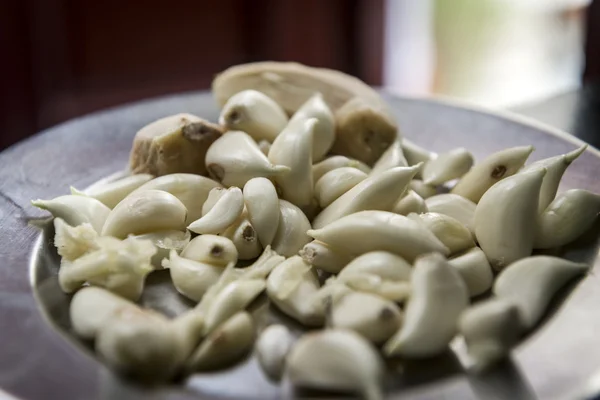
x=165, y=241
x=384, y=264
x=422, y=189
x=571, y=214
x=211, y=249
x=272, y=348
x=264, y=146
x=506, y=216
x=73, y=242
x=416, y=154
x=324, y=135
x=454, y=206
x=244, y=237
x=262, y=203
x=192, y=278
x=213, y=197
x=410, y=203
x=291, y=232
x=391, y=158
x=324, y=257
x=474, y=267
x=336, y=359
x=110, y=194
x=531, y=283
x=76, y=210
x=334, y=162
x=453, y=234
x=397, y=291
x=235, y=158
x=254, y=113
x=229, y=274
x=223, y=214
x=447, y=166
x=263, y=265
x=439, y=295
x=488, y=172
x=144, y=212
x=335, y=183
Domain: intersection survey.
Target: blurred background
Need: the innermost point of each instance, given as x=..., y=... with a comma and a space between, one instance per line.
x=65, y=58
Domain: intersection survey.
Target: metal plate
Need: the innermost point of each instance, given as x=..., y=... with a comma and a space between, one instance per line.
x=39, y=358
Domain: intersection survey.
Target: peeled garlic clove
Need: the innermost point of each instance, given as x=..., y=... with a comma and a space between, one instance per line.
x=367, y=231
x=211, y=249
x=254, y=113
x=454, y=206
x=370, y=316
x=506, y=216
x=555, y=168
x=336, y=359
x=272, y=348
x=263, y=266
x=144, y=212
x=474, y=268
x=324, y=135
x=391, y=158
x=264, y=146
x=213, y=197
x=415, y=154
x=566, y=218
x=453, y=234
x=337, y=182
x=244, y=237
x=291, y=232
x=165, y=241
x=235, y=158
x=494, y=168
x=410, y=203
x=384, y=264
x=422, y=189
x=397, y=291
x=447, y=166
x=225, y=212
x=225, y=345
x=73, y=242
x=262, y=203
x=334, y=162
x=439, y=295
x=192, y=278
x=531, y=283
x=490, y=329
x=324, y=257
x=379, y=192
x=110, y=194
x=192, y=190
x=76, y=210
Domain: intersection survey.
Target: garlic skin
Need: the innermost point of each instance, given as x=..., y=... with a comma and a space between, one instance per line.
x=73, y=242
x=244, y=237
x=336, y=359
x=324, y=135
x=110, y=194
x=410, y=203
x=262, y=203
x=415, y=154
x=422, y=189
x=491, y=170
x=531, y=283
x=335, y=183
x=474, y=268
x=439, y=295
x=235, y=158
x=330, y=163
x=324, y=257
x=453, y=234
x=264, y=146
x=386, y=265
x=211, y=249
x=254, y=113
x=367, y=231
x=571, y=214
x=293, y=148
x=76, y=210
x=191, y=278
x=165, y=241
x=225, y=212
x=391, y=158
x=291, y=233
x=272, y=348
x=379, y=192
x=505, y=218
x=144, y=212
x=454, y=206
x=447, y=166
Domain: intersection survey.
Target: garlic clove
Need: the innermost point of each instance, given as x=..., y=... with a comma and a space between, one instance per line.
x=447, y=166
x=454, y=206
x=391, y=158
x=144, y=212
x=76, y=210
x=324, y=257
x=110, y=194
x=264, y=146
x=263, y=265
x=505, y=218
x=272, y=348
x=260, y=198
x=73, y=242
x=324, y=135
x=439, y=295
x=453, y=234
x=422, y=189
x=291, y=232
x=416, y=154
x=211, y=249
x=244, y=237
x=330, y=163
x=225, y=212
x=397, y=291
x=474, y=268
x=337, y=182
x=410, y=203
x=191, y=278
x=165, y=241
x=384, y=264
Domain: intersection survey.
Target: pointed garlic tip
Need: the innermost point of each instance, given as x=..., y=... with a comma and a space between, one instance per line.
x=531, y=283
x=324, y=136
x=324, y=257
x=452, y=233
x=367, y=231
x=383, y=264
x=235, y=158
x=423, y=190
x=370, y=316
x=254, y=113
x=272, y=348
x=289, y=286
x=165, y=241
x=391, y=158
x=77, y=192
x=454, y=206
x=73, y=242
x=506, y=216
x=211, y=249
x=143, y=212
x=330, y=163
x=336, y=359
x=264, y=146
x=415, y=154
x=438, y=297
x=447, y=166
x=263, y=265
x=291, y=232
x=570, y=215
x=574, y=154
x=226, y=210
x=335, y=183
x=410, y=203
x=110, y=194
x=192, y=278
x=474, y=268
x=494, y=168
x=225, y=345
x=379, y=192
x=262, y=203
x=76, y=210
x=244, y=237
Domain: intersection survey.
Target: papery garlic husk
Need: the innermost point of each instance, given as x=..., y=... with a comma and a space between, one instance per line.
x=335, y=183
x=367, y=231
x=76, y=210
x=324, y=257
x=453, y=234
x=454, y=206
x=396, y=291
x=244, y=237
x=254, y=113
x=73, y=242
x=384, y=264
x=391, y=158
x=334, y=162
x=192, y=278
x=447, y=166
x=271, y=349
x=491, y=170
x=532, y=282
x=571, y=214
x=264, y=146
x=506, y=216
x=336, y=359
x=439, y=295
x=235, y=158
x=415, y=154
x=324, y=135
x=165, y=241
x=410, y=203
x=144, y=212
x=262, y=203
x=110, y=194
x=211, y=249
x=223, y=214
x=291, y=233
x=474, y=268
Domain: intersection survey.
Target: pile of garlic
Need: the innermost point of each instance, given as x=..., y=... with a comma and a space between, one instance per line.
x=372, y=255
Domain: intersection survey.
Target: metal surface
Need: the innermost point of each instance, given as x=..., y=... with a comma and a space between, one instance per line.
x=40, y=360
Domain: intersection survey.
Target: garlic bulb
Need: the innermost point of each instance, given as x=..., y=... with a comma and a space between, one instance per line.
x=225, y=212
x=76, y=210
x=211, y=249
x=272, y=348
x=334, y=162
x=447, y=166
x=291, y=232
x=110, y=194
x=337, y=182
x=260, y=198
x=324, y=135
